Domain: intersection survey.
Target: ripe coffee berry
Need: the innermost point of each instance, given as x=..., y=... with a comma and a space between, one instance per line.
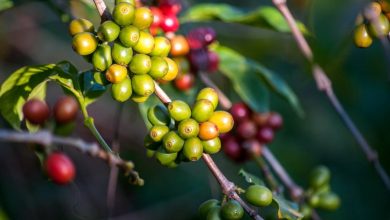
x=170, y=23
x=208, y=131
x=36, y=111
x=213, y=59
x=246, y=129
x=65, y=110
x=170, y=7
x=265, y=135
x=60, y=168
x=199, y=59
x=275, y=120
x=232, y=149
x=157, y=16
x=201, y=37
x=240, y=111
x=184, y=82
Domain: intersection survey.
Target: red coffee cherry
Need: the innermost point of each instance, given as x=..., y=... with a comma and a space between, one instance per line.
x=275, y=120
x=240, y=111
x=36, y=111
x=60, y=168
x=199, y=60
x=158, y=16
x=261, y=119
x=233, y=150
x=265, y=135
x=65, y=109
x=170, y=7
x=246, y=129
x=170, y=23
x=252, y=147
x=213, y=61
x=184, y=82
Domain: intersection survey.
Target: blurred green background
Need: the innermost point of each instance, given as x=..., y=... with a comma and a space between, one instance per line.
x=32, y=33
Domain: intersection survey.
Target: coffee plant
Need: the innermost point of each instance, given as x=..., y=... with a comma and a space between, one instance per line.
x=195, y=95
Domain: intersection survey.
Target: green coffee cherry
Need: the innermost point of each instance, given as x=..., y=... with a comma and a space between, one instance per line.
x=232, y=210
x=172, y=164
x=193, y=149
x=157, y=132
x=80, y=25
x=150, y=153
x=162, y=46
x=172, y=142
x=314, y=200
x=122, y=91
x=361, y=36
x=158, y=115
x=329, y=201
x=84, y=43
x=132, y=2
x=121, y=55
x=129, y=36
x=382, y=29
x=159, y=68
x=145, y=43
x=306, y=211
x=100, y=78
x=188, y=128
x=214, y=213
x=179, y=110
x=108, y=31
x=139, y=99
x=212, y=146
x=143, y=85
x=258, y=195
x=140, y=64
x=206, y=206
x=123, y=13
x=320, y=176
x=143, y=18
x=101, y=58
x=202, y=110
x=150, y=144
x=209, y=94
x=165, y=158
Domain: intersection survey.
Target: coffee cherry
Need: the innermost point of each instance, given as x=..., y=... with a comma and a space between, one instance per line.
x=314, y=200
x=140, y=64
x=60, y=168
x=150, y=144
x=129, y=36
x=188, y=128
x=199, y=59
x=265, y=135
x=202, y=110
x=108, y=31
x=172, y=70
x=232, y=210
x=121, y=55
x=132, y=2
x=116, y=73
x=65, y=110
x=258, y=195
x=319, y=177
x=362, y=38
x=157, y=16
x=385, y=6
x=208, y=131
x=170, y=23
x=100, y=78
x=159, y=68
x=157, y=132
x=373, y=9
x=206, y=206
x=213, y=60
x=240, y=111
x=158, y=115
x=145, y=43
x=214, y=213
x=80, y=25
x=212, y=146
x=306, y=211
x=162, y=46
x=383, y=26
x=193, y=149
x=101, y=58
x=246, y=129
x=184, y=82
x=201, y=37
x=84, y=43
x=36, y=111
x=179, y=110
x=329, y=201
x=122, y=91
x=143, y=18
x=180, y=46
x=123, y=13
x=209, y=94
x=172, y=142
x=233, y=150
x=170, y=7
x=143, y=85
x=260, y=118
x=223, y=120
x=165, y=158
x=275, y=121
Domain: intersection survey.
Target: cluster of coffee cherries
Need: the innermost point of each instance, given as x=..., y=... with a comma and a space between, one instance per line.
x=319, y=195
x=256, y=195
x=180, y=133
x=252, y=130
x=59, y=167
x=125, y=52
x=373, y=23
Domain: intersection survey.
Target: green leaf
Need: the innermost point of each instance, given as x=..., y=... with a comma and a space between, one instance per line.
x=90, y=88
x=144, y=107
x=250, y=178
x=18, y=87
x=234, y=65
x=287, y=209
x=264, y=16
x=6, y=4
x=246, y=82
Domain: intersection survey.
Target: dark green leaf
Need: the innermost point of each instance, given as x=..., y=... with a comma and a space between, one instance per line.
x=6, y=4
x=90, y=88
x=265, y=16
x=18, y=87
x=287, y=209
x=246, y=82
x=250, y=178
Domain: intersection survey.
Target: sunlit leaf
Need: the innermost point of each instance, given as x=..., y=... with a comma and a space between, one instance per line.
x=250, y=178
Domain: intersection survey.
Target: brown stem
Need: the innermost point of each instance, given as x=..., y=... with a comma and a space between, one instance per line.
x=102, y=9
x=324, y=84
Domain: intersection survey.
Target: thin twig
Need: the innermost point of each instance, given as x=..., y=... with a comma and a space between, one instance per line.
x=324, y=84
x=102, y=9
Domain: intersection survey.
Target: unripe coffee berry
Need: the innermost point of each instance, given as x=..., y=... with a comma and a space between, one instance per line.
x=143, y=18
x=145, y=43
x=116, y=73
x=84, y=43
x=361, y=36
x=202, y=110
x=143, y=85
x=108, y=31
x=212, y=146
x=121, y=55
x=165, y=158
x=179, y=110
x=159, y=68
x=209, y=94
x=140, y=64
x=232, y=210
x=319, y=176
x=60, y=168
x=101, y=58
x=36, y=111
x=258, y=195
x=193, y=149
x=123, y=13
x=173, y=70
x=157, y=132
x=129, y=36
x=329, y=201
x=80, y=25
x=65, y=110
x=172, y=142
x=122, y=91
x=206, y=206
x=223, y=120
x=188, y=128
x=162, y=46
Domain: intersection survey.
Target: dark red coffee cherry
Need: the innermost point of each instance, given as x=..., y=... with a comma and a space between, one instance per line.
x=275, y=120
x=170, y=23
x=246, y=129
x=213, y=60
x=265, y=135
x=170, y=7
x=252, y=147
x=60, y=168
x=240, y=111
x=65, y=110
x=201, y=37
x=199, y=60
x=232, y=149
x=36, y=111
x=157, y=16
